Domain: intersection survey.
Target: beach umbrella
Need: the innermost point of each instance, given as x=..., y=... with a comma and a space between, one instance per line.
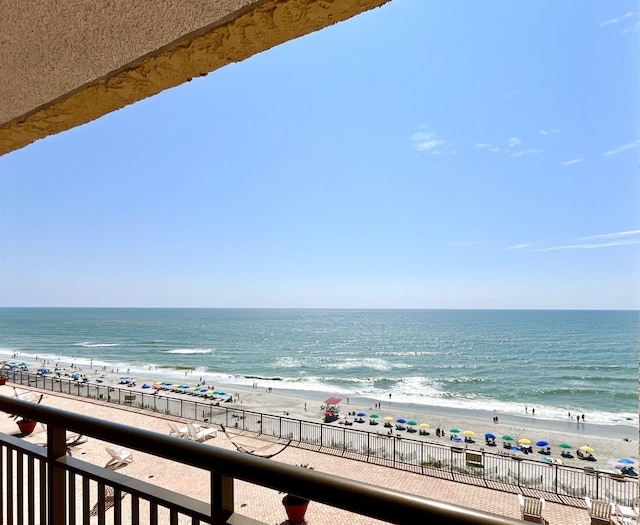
x=542, y=443
x=425, y=425
x=156, y=383
x=469, y=433
x=454, y=431
x=388, y=418
x=157, y=387
x=587, y=448
x=564, y=445
x=374, y=416
x=525, y=441
x=507, y=438
x=625, y=461
x=361, y=414
x=490, y=435
x=221, y=393
x=412, y=423
x=146, y=385
x=401, y=421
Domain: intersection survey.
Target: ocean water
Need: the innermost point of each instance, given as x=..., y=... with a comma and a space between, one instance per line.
x=504, y=360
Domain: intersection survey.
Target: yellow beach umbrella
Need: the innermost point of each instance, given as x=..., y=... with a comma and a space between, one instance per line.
x=469, y=433
x=587, y=448
x=158, y=383
x=388, y=418
x=525, y=441
x=425, y=425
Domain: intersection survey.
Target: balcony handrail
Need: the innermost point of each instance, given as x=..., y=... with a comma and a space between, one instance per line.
x=364, y=499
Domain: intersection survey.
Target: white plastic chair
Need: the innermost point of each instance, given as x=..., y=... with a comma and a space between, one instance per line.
x=181, y=432
x=119, y=457
x=202, y=434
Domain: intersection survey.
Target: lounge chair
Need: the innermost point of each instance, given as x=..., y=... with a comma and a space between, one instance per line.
x=201, y=434
x=119, y=458
x=531, y=508
x=181, y=432
x=600, y=511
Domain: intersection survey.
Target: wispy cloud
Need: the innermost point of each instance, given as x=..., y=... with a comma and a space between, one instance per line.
x=629, y=29
x=427, y=141
x=548, y=131
x=482, y=145
x=589, y=246
x=624, y=147
x=616, y=20
x=614, y=239
x=518, y=247
x=614, y=235
x=609, y=22
x=570, y=162
x=530, y=151
x=513, y=141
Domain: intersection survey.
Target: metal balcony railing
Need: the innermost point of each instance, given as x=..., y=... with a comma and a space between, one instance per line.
x=562, y=483
x=42, y=485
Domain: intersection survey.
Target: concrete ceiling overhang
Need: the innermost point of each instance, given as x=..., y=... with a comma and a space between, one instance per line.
x=67, y=62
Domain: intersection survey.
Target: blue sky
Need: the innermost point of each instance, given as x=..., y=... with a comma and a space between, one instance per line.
x=427, y=154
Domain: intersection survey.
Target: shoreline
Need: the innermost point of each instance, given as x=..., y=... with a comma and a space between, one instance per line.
x=607, y=440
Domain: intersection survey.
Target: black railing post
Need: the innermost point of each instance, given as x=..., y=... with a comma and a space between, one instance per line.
x=222, y=504
x=56, y=498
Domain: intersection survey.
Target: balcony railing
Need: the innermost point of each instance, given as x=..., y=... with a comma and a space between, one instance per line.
x=562, y=483
x=45, y=486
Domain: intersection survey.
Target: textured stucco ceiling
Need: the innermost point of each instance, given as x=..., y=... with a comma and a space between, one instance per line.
x=66, y=62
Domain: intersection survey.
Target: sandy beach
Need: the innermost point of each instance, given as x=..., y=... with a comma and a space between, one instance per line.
x=609, y=442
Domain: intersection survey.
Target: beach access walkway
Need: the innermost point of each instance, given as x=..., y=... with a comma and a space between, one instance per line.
x=264, y=504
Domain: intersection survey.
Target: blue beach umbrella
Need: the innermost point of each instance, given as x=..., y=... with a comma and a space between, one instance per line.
x=401, y=421
x=361, y=414
x=146, y=385
x=221, y=393
x=490, y=435
x=542, y=443
x=625, y=461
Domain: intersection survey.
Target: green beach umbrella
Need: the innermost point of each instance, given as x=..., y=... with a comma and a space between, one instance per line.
x=454, y=431
x=507, y=438
x=564, y=445
x=374, y=416
x=412, y=423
